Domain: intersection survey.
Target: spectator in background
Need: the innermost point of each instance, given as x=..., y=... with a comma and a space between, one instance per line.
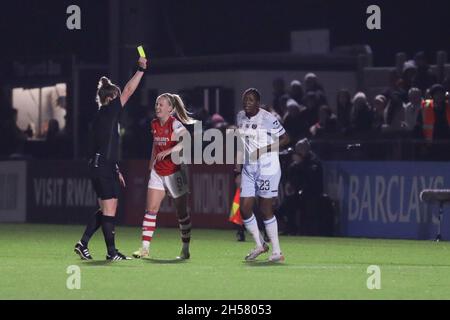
x=424, y=78
x=412, y=109
x=395, y=82
x=361, y=117
x=406, y=82
x=295, y=121
x=312, y=83
x=290, y=205
x=308, y=174
x=379, y=106
x=433, y=124
x=394, y=114
x=435, y=116
x=343, y=109
x=296, y=91
x=327, y=125
x=280, y=96
x=313, y=101
x=216, y=121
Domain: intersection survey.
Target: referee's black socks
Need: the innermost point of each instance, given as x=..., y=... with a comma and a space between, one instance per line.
x=94, y=223
x=108, y=233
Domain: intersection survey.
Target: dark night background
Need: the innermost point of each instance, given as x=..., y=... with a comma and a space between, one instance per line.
x=193, y=28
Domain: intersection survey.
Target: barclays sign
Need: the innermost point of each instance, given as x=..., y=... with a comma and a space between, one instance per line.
x=381, y=199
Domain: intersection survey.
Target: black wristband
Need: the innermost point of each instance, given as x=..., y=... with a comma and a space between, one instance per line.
x=139, y=68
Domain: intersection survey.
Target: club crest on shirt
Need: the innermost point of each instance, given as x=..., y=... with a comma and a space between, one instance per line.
x=254, y=126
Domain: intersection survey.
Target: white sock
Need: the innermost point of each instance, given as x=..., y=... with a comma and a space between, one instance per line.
x=272, y=232
x=261, y=237
x=146, y=245
x=252, y=226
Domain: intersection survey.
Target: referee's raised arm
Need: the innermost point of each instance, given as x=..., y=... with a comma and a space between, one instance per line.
x=133, y=83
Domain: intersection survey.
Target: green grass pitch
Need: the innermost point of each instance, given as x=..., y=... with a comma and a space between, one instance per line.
x=34, y=261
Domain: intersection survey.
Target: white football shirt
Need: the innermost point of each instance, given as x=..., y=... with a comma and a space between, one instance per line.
x=257, y=132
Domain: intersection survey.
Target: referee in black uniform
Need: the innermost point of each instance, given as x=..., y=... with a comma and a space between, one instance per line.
x=104, y=156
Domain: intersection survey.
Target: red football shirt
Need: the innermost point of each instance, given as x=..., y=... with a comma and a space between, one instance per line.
x=162, y=141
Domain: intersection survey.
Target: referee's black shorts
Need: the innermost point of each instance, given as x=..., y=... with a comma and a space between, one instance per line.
x=105, y=181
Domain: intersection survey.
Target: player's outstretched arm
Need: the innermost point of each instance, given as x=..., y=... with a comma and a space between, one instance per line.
x=133, y=83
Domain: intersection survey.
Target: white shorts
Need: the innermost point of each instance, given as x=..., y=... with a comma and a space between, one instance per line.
x=254, y=183
x=175, y=184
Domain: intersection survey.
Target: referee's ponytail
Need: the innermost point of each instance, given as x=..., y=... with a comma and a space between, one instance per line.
x=106, y=89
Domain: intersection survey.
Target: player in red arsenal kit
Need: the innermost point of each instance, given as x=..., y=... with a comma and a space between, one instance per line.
x=162, y=134
x=165, y=175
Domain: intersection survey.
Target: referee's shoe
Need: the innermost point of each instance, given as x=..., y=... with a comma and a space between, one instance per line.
x=116, y=257
x=82, y=251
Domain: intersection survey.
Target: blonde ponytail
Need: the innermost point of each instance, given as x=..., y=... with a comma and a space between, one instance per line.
x=177, y=103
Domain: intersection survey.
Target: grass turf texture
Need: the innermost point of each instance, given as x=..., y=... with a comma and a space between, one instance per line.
x=34, y=260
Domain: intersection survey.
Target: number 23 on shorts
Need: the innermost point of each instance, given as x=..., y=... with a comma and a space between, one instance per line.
x=264, y=185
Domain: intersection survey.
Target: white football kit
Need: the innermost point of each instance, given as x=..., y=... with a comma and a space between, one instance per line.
x=259, y=177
